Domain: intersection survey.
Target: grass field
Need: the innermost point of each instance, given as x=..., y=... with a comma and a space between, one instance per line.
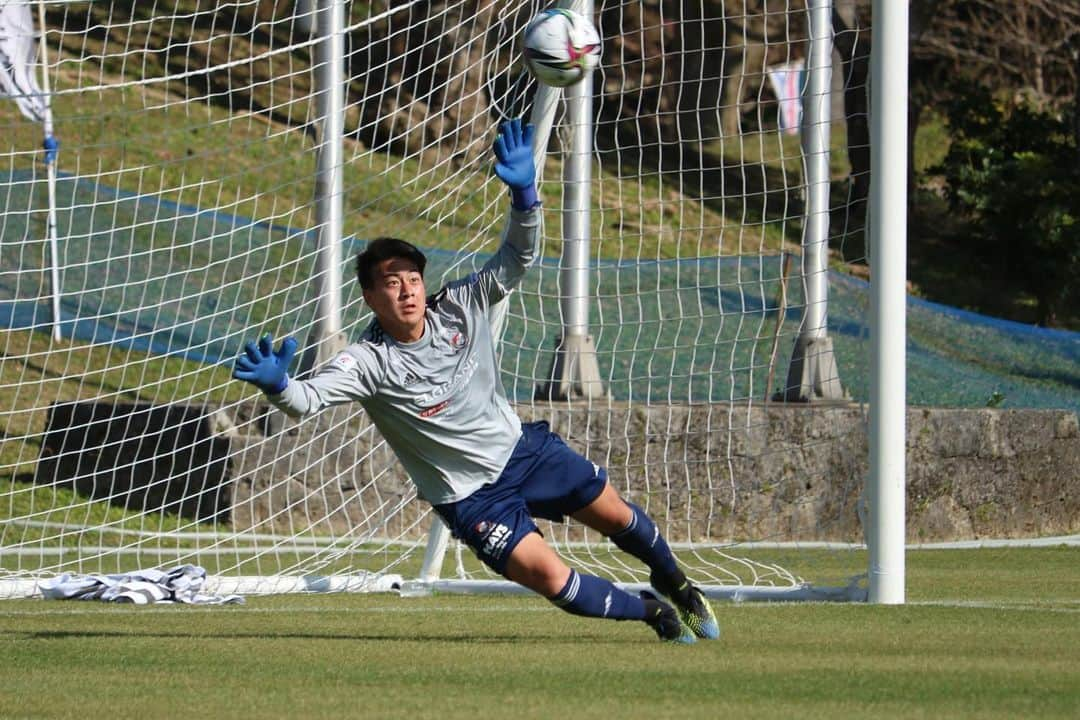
x=985, y=634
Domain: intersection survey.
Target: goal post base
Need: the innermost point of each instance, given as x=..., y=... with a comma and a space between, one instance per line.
x=813, y=375
x=270, y=585
x=853, y=592
x=575, y=371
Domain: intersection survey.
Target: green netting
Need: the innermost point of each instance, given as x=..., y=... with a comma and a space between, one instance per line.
x=165, y=278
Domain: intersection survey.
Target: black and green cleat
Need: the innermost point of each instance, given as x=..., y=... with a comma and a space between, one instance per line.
x=664, y=619
x=693, y=608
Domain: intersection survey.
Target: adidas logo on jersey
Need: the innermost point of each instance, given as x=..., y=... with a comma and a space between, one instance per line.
x=410, y=379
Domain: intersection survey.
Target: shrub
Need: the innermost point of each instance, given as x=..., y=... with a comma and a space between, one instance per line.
x=1013, y=168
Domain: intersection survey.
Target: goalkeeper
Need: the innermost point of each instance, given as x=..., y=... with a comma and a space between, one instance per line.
x=425, y=371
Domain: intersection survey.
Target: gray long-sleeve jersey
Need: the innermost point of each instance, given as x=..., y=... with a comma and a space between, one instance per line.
x=439, y=401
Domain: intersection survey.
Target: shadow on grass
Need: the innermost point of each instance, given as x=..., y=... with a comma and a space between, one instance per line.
x=487, y=638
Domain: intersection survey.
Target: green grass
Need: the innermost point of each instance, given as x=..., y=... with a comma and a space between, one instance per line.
x=198, y=154
x=986, y=634
x=24, y=499
x=37, y=371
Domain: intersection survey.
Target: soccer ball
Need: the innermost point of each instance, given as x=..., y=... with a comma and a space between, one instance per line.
x=561, y=47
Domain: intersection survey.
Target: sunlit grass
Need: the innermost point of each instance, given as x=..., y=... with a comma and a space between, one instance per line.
x=956, y=651
x=38, y=371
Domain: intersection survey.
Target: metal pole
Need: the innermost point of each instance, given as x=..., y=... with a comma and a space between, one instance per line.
x=329, y=183
x=50, y=168
x=816, y=125
x=813, y=374
x=575, y=369
x=888, y=319
x=545, y=103
x=577, y=176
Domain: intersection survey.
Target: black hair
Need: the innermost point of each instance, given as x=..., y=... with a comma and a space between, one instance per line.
x=385, y=248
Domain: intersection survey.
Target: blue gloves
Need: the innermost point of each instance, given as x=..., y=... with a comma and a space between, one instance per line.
x=264, y=368
x=514, y=163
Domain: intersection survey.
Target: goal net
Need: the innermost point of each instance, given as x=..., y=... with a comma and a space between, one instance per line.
x=181, y=217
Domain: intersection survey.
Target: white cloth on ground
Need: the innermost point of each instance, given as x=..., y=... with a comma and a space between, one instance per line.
x=182, y=584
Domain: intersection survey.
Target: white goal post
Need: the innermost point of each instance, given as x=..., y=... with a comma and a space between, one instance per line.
x=220, y=166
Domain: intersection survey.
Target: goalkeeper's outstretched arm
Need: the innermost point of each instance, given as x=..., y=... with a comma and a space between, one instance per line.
x=392, y=279
x=344, y=379
x=521, y=237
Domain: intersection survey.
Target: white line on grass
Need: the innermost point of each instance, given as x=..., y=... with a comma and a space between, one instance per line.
x=1059, y=606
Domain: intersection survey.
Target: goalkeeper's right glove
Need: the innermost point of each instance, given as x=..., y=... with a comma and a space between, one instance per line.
x=264, y=368
x=514, y=163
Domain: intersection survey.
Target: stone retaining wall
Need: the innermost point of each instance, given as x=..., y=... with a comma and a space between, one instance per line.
x=720, y=472
x=775, y=471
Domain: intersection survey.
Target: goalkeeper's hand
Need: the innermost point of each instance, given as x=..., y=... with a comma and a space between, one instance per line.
x=264, y=368
x=514, y=162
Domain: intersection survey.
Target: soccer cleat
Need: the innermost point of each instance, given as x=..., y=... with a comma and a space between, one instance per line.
x=664, y=619
x=694, y=610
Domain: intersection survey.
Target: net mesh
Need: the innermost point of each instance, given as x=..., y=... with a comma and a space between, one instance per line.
x=186, y=225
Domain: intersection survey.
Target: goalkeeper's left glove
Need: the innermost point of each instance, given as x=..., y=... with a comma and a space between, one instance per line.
x=514, y=163
x=264, y=368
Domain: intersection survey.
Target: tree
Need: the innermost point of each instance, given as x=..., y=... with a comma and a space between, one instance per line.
x=1012, y=170
x=1000, y=44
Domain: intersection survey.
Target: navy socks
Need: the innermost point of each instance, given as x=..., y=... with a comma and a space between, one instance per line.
x=591, y=596
x=642, y=539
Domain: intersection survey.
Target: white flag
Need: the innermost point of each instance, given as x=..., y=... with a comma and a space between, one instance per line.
x=18, y=51
x=787, y=83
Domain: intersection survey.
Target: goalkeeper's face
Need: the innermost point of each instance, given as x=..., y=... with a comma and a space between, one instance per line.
x=397, y=298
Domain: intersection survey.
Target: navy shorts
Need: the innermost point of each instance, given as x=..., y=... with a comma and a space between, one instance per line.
x=544, y=478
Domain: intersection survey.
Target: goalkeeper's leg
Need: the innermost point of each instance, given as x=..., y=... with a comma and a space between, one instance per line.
x=534, y=564
x=634, y=532
x=495, y=522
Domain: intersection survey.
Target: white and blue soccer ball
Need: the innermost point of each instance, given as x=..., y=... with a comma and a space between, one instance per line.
x=561, y=47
